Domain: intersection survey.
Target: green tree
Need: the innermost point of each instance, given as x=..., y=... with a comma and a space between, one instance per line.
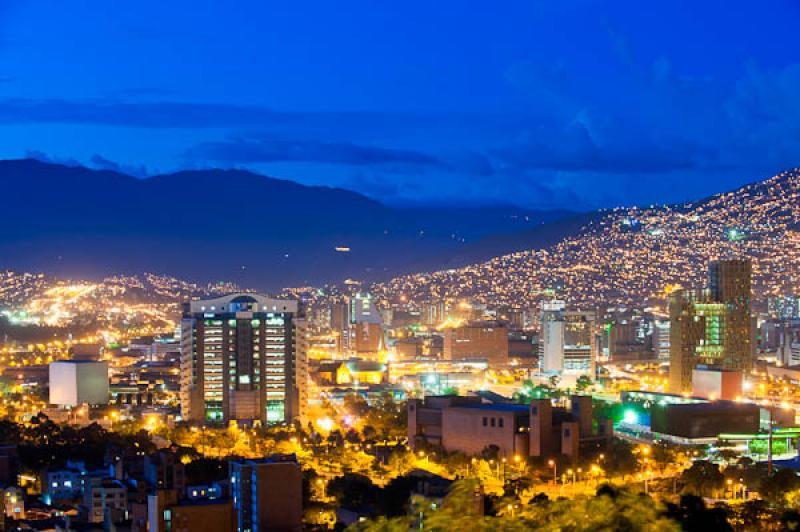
x=703, y=478
x=776, y=488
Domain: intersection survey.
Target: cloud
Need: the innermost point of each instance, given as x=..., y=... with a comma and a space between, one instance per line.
x=99, y=162
x=41, y=156
x=250, y=151
x=574, y=150
x=174, y=115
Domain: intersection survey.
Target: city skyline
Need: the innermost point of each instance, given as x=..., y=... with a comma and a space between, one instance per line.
x=420, y=266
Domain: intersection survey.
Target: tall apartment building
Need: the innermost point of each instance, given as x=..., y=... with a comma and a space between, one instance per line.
x=243, y=358
x=712, y=327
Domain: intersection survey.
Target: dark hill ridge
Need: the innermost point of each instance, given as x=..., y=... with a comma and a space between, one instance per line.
x=236, y=225
x=632, y=256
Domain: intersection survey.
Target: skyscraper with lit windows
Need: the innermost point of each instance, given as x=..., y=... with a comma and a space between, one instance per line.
x=243, y=358
x=712, y=327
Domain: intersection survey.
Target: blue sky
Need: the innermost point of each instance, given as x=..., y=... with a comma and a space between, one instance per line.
x=546, y=104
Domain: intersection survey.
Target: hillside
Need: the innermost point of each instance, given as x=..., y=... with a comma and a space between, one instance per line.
x=228, y=224
x=631, y=255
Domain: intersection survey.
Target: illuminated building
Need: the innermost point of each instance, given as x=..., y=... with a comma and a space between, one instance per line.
x=469, y=425
x=480, y=340
x=788, y=348
x=661, y=340
x=435, y=313
x=358, y=326
x=362, y=310
x=14, y=499
x=569, y=342
x=368, y=338
x=353, y=372
x=711, y=327
x=243, y=357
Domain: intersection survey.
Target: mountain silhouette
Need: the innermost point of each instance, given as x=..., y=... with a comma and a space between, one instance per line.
x=236, y=225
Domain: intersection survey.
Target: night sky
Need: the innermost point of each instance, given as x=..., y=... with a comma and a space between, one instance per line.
x=576, y=104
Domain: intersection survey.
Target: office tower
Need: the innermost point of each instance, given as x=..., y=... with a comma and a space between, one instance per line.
x=712, y=327
x=580, y=342
x=267, y=494
x=551, y=352
x=362, y=310
x=569, y=340
x=243, y=358
x=661, y=340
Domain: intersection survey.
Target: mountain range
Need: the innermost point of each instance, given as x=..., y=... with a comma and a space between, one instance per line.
x=243, y=227
x=632, y=256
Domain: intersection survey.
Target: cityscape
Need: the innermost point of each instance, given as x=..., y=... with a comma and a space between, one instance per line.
x=399, y=268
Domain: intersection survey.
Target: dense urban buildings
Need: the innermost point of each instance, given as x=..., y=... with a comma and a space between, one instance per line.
x=243, y=358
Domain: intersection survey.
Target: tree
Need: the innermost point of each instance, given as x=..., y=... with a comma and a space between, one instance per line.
x=776, y=488
x=583, y=383
x=693, y=515
x=490, y=452
x=703, y=478
x=620, y=459
x=663, y=454
x=354, y=491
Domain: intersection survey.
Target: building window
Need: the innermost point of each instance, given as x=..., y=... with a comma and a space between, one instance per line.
x=485, y=421
x=493, y=422
x=500, y=423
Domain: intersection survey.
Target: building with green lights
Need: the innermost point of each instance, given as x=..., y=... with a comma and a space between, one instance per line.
x=712, y=327
x=243, y=358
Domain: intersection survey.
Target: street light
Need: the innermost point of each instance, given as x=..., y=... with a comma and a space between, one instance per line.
x=554, y=465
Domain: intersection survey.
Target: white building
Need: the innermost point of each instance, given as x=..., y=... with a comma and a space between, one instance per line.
x=569, y=341
x=77, y=382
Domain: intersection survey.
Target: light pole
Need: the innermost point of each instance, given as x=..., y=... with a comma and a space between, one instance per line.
x=554, y=465
x=769, y=445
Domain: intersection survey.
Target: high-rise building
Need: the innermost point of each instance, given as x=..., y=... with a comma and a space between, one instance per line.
x=569, y=341
x=551, y=351
x=661, y=340
x=358, y=326
x=243, y=358
x=363, y=310
x=267, y=494
x=712, y=327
